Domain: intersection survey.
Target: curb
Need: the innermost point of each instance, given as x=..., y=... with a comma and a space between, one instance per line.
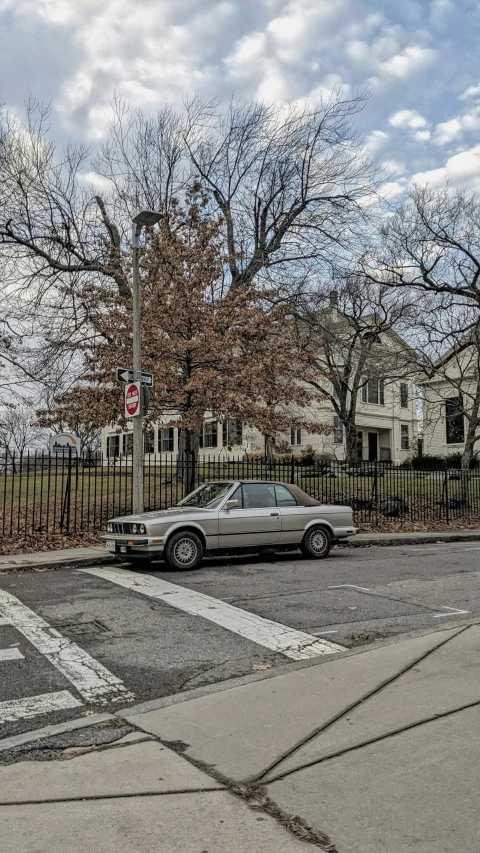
x=389, y=540
x=58, y=564
x=409, y=539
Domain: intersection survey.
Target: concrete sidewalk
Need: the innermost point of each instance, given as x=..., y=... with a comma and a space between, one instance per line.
x=365, y=752
x=93, y=556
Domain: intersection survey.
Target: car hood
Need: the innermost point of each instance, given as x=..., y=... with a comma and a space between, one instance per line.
x=163, y=514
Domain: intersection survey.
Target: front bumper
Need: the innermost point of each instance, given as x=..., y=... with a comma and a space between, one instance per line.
x=133, y=544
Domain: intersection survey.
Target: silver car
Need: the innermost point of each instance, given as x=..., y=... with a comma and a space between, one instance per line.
x=230, y=516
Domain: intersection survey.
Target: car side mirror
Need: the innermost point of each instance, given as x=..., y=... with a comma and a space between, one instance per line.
x=232, y=504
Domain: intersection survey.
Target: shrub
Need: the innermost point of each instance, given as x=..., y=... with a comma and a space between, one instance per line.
x=433, y=462
x=308, y=455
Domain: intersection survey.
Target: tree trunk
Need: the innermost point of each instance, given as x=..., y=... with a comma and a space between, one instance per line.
x=269, y=448
x=470, y=438
x=351, y=444
x=187, y=460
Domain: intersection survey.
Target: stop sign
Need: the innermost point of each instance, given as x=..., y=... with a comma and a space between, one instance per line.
x=132, y=399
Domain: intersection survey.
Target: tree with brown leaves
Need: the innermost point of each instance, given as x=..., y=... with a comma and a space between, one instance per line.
x=234, y=356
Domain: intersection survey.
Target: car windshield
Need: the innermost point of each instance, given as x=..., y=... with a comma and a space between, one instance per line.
x=208, y=496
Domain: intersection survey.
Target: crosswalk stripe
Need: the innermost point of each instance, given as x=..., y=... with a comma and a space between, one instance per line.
x=296, y=645
x=33, y=706
x=92, y=680
x=10, y=654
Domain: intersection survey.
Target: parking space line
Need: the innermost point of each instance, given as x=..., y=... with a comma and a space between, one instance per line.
x=33, y=706
x=92, y=680
x=10, y=654
x=296, y=645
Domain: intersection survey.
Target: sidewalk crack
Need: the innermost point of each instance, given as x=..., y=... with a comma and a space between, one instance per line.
x=258, y=777
x=340, y=752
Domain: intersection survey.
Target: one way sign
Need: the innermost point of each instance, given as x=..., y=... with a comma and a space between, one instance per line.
x=126, y=375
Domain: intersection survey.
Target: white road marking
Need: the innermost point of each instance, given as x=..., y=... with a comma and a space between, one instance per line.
x=5, y=622
x=10, y=654
x=454, y=612
x=92, y=680
x=350, y=586
x=32, y=706
x=296, y=645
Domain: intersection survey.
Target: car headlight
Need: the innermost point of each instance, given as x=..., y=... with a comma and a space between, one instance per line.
x=109, y=527
x=134, y=528
x=142, y=528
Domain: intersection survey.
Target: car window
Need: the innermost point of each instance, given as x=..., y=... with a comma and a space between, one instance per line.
x=284, y=497
x=256, y=495
x=237, y=496
x=208, y=496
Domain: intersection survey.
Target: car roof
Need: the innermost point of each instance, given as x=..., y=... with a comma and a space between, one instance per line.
x=302, y=498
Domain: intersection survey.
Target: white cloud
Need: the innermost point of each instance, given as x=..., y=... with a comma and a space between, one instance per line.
x=462, y=170
x=385, y=58
x=422, y=135
x=448, y=131
x=407, y=118
x=471, y=92
x=376, y=140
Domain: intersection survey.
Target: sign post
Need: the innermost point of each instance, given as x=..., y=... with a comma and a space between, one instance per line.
x=133, y=393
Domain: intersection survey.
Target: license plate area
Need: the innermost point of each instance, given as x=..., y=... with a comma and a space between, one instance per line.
x=110, y=545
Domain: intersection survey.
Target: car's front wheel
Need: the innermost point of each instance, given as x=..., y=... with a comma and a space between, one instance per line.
x=184, y=550
x=316, y=543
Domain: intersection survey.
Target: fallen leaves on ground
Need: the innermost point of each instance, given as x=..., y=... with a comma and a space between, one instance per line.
x=260, y=666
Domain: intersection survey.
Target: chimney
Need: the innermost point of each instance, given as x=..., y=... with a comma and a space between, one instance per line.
x=333, y=298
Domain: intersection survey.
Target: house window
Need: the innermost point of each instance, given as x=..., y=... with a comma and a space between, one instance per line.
x=166, y=440
x=148, y=442
x=337, y=431
x=113, y=446
x=210, y=434
x=295, y=437
x=404, y=395
x=455, y=425
x=373, y=391
x=360, y=446
x=127, y=443
x=232, y=432
x=404, y=437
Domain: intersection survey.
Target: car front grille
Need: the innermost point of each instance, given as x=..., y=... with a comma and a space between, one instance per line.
x=123, y=527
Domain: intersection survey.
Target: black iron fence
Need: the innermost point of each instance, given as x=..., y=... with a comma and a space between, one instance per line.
x=65, y=494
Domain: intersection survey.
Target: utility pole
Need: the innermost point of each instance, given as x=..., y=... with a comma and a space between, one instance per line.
x=149, y=218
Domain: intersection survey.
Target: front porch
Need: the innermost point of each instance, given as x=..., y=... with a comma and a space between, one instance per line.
x=374, y=444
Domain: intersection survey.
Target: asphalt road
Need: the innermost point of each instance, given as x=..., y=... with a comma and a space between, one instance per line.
x=73, y=643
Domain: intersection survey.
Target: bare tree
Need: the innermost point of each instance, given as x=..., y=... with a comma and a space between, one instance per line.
x=431, y=246
x=288, y=182
x=355, y=344
x=19, y=431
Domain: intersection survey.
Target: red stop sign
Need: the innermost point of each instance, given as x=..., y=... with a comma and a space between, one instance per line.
x=132, y=399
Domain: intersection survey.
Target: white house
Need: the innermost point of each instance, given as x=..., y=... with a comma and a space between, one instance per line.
x=386, y=429
x=448, y=394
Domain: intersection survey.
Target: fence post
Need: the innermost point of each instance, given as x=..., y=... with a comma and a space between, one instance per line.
x=292, y=470
x=447, y=508
x=65, y=517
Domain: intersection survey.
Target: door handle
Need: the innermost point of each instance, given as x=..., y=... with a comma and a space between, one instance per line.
x=275, y=513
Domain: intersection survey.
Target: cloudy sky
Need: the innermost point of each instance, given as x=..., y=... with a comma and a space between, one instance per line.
x=420, y=60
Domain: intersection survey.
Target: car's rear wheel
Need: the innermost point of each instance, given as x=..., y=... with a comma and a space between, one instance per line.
x=184, y=550
x=316, y=543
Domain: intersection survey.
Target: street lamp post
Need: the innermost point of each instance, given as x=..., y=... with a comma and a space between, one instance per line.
x=145, y=217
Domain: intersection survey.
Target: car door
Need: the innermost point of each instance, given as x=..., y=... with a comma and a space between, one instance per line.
x=255, y=522
x=294, y=517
